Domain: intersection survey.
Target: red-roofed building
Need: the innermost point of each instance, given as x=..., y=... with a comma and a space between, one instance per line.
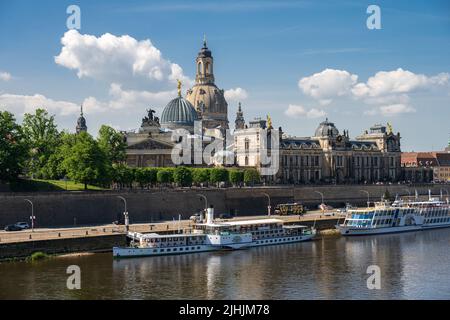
x=426, y=166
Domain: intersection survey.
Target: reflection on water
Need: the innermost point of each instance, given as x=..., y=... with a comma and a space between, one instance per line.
x=413, y=265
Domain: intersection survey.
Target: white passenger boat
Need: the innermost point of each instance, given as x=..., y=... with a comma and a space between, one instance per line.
x=400, y=216
x=215, y=235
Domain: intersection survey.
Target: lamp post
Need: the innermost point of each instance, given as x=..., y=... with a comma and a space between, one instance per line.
x=268, y=206
x=32, y=218
x=206, y=203
x=321, y=194
x=368, y=197
x=125, y=214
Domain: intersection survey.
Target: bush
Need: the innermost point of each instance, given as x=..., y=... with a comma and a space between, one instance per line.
x=36, y=256
x=164, y=175
x=182, y=176
x=219, y=175
x=236, y=176
x=251, y=176
x=200, y=175
x=123, y=175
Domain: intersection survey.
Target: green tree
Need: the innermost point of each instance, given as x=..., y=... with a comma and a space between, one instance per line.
x=145, y=176
x=251, y=176
x=13, y=149
x=112, y=143
x=84, y=161
x=218, y=175
x=182, y=176
x=43, y=139
x=164, y=175
x=236, y=176
x=200, y=175
x=124, y=175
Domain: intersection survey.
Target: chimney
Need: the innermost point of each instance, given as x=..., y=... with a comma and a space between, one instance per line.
x=210, y=215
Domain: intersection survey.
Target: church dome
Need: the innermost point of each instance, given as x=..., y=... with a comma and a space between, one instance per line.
x=178, y=113
x=209, y=101
x=326, y=129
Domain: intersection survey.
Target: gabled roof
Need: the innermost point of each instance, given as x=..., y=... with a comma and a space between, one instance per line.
x=150, y=144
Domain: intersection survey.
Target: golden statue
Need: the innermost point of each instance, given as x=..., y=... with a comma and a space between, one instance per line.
x=390, y=131
x=269, y=122
x=179, y=87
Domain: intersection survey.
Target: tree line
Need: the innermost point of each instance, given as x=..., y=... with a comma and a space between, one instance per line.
x=37, y=150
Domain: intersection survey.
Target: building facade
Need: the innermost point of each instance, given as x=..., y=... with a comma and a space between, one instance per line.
x=327, y=157
x=207, y=99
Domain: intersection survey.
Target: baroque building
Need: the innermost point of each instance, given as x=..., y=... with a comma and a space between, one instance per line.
x=81, y=122
x=208, y=100
x=328, y=156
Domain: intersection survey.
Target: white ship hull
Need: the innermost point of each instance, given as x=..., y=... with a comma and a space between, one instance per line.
x=129, y=252
x=123, y=252
x=349, y=231
x=281, y=240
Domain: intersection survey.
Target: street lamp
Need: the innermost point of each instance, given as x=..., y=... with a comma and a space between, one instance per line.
x=32, y=218
x=206, y=203
x=125, y=214
x=268, y=207
x=321, y=194
x=368, y=197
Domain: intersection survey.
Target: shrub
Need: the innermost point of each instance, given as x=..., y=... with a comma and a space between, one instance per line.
x=164, y=175
x=251, y=176
x=200, y=175
x=182, y=176
x=218, y=175
x=236, y=176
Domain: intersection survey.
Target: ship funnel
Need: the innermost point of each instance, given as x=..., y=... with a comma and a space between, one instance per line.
x=210, y=215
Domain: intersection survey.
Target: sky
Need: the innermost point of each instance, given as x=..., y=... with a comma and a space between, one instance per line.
x=298, y=61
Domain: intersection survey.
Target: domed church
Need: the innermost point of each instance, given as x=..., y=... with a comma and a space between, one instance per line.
x=151, y=145
x=205, y=96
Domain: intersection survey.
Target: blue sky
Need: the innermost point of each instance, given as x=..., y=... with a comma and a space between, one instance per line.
x=299, y=61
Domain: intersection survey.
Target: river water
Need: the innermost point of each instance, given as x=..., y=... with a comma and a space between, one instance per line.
x=413, y=266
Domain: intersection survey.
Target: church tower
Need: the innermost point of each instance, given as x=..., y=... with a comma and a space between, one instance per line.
x=239, y=123
x=204, y=61
x=207, y=99
x=81, y=123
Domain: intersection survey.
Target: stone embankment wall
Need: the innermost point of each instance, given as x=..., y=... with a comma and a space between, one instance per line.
x=58, y=246
x=90, y=208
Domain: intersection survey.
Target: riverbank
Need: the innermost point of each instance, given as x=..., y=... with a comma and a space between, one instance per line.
x=22, y=244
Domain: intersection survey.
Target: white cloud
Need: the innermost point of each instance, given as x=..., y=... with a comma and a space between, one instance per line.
x=395, y=82
x=391, y=110
x=236, y=94
x=328, y=84
x=298, y=111
x=20, y=104
x=5, y=76
x=390, y=90
x=117, y=59
x=315, y=113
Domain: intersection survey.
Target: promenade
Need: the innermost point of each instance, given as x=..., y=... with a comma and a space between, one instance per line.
x=164, y=226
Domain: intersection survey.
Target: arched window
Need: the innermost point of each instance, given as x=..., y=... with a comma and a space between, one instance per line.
x=207, y=66
x=199, y=68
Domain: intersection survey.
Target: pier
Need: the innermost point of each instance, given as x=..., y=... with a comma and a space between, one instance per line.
x=21, y=244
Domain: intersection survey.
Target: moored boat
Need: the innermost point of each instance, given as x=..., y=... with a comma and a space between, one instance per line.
x=399, y=216
x=215, y=235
